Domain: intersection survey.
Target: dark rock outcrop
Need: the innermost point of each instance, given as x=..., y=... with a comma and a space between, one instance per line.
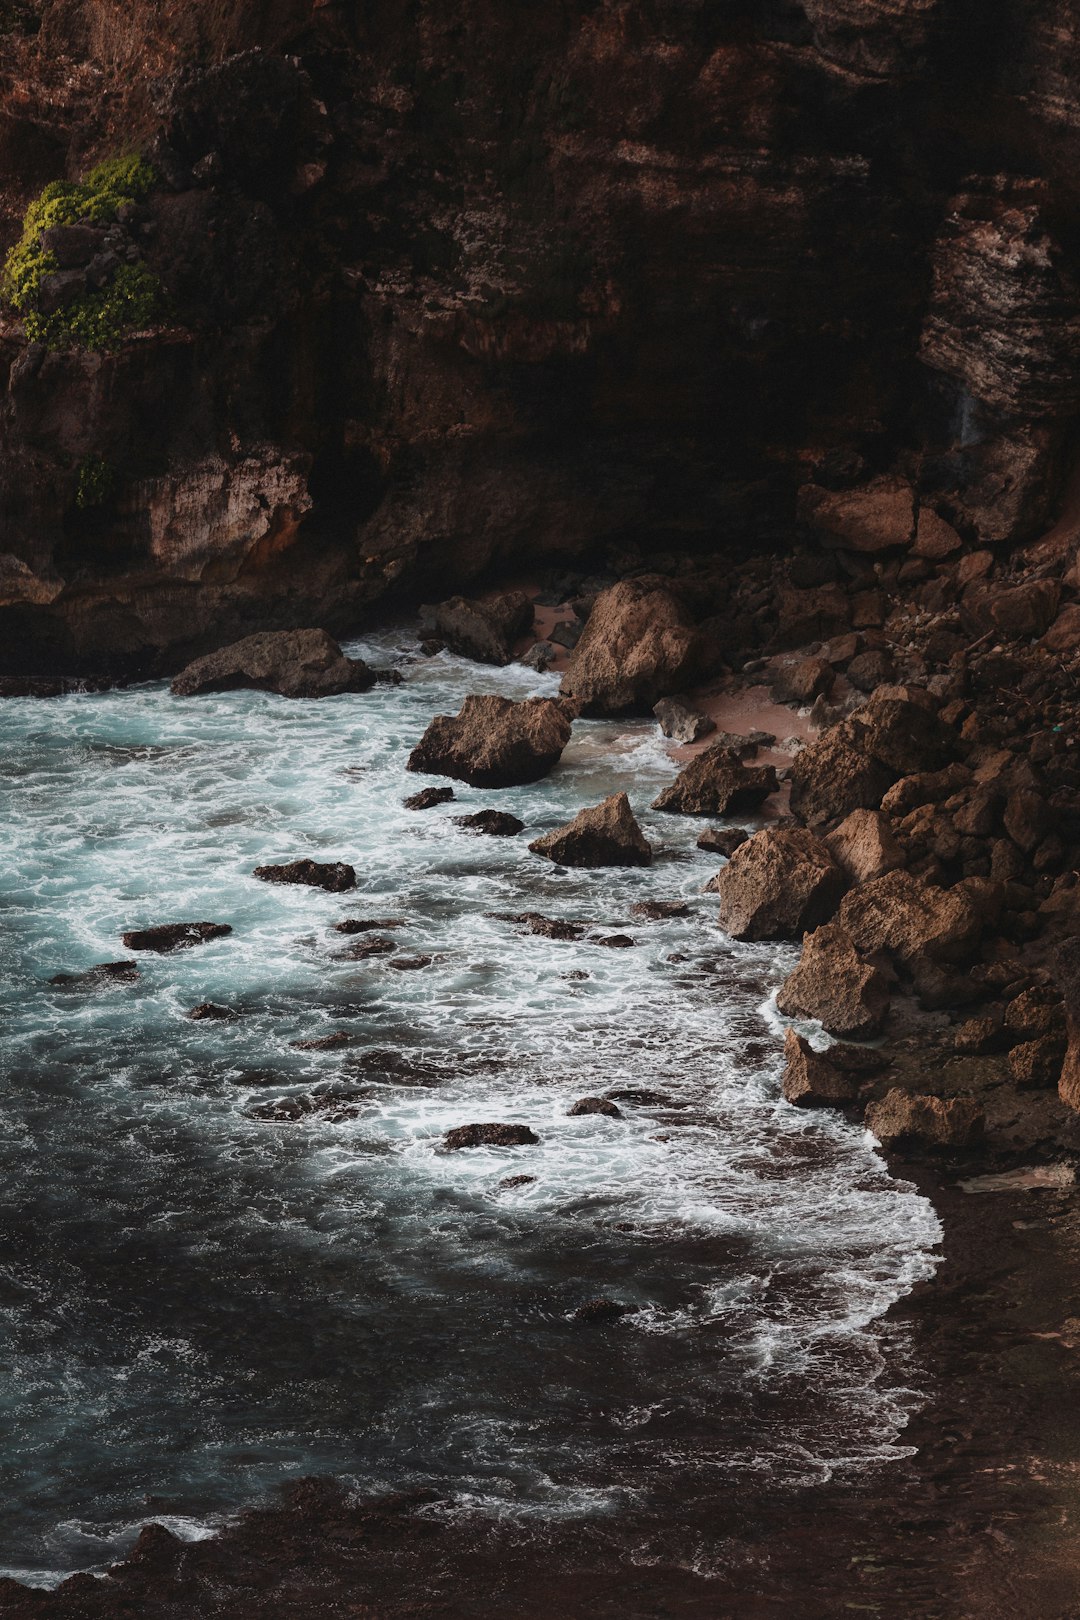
x=493, y=742
x=778, y=884
x=483, y=630
x=496, y=823
x=428, y=798
x=98, y=977
x=605, y=834
x=490, y=1135
x=595, y=1105
x=717, y=783
x=174, y=936
x=293, y=663
x=334, y=876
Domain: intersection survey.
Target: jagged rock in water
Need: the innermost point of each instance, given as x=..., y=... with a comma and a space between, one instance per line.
x=909, y=1116
x=722, y=840
x=493, y=742
x=213, y=1012
x=595, y=1312
x=595, y=1105
x=410, y=964
x=810, y=1080
x=368, y=925
x=546, y=927
x=482, y=630
x=638, y=645
x=174, y=936
x=717, y=783
x=833, y=984
x=776, y=885
x=98, y=977
x=428, y=798
x=496, y=823
x=605, y=834
x=293, y=663
x=490, y=1135
x=334, y=876
x=681, y=722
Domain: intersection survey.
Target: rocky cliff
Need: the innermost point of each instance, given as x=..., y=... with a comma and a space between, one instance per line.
x=460, y=289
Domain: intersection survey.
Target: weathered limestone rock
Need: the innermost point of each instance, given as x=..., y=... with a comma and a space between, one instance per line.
x=293, y=663
x=717, y=783
x=909, y=918
x=496, y=823
x=810, y=1080
x=833, y=984
x=776, y=885
x=638, y=646
x=493, y=742
x=606, y=834
x=483, y=630
x=909, y=1116
x=863, y=846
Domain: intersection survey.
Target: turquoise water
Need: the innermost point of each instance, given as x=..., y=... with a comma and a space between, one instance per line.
x=197, y=1303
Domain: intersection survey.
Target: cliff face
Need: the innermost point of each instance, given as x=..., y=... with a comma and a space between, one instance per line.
x=461, y=288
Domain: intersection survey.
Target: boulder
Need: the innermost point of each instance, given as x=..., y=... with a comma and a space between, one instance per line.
x=638, y=646
x=1038, y=1062
x=410, y=964
x=778, y=884
x=908, y=1116
x=616, y=942
x=659, y=910
x=863, y=846
x=98, y=977
x=595, y=1312
x=833, y=984
x=595, y=1105
x=682, y=723
x=1016, y=612
x=722, y=840
x=173, y=936
x=333, y=876
x=496, y=823
x=484, y=631
x=876, y=517
x=910, y=918
x=427, y=798
x=1035, y=1012
x=851, y=766
x=802, y=682
x=493, y=742
x=603, y=835
x=293, y=663
x=717, y=783
x=368, y=925
x=810, y=1080
x=540, y=656
x=567, y=633
x=213, y=1012
x=1063, y=635
x=470, y=1136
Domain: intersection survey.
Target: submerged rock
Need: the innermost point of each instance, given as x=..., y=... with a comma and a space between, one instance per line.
x=335, y=1107
x=722, y=840
x=490, y=1135
x=211, y=1011
x=174, y=936
x=368, y=925
x=619, y=942
x=776, y=885
x=334, y=876
x=97, y=977
x=638, y=646
x=909, y=918
x=484, y=631
x=605, y=834
x=409, y=964
x=496, y=823
x=595, y=1312
x=369, y=945
x=717, y=783
x=428, y=798
x=547, y=927
x=293, y=663
x=325, y=1043
x=833, y=984
x=493, y=742
x=516, y=1181
x=658, y=910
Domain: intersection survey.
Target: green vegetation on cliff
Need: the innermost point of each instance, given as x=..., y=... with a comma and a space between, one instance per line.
x=92, y=317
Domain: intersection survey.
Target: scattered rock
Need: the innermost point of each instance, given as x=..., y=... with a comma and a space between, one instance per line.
x=638, y=646
x=908, y=917
x=978, y=1036
x=368, y=925
x=496, y=823
x=619, y=942
x=174, y=936
x=778, y=884
x=428, y=798
x=334, y=876
x=870, y=670
x=547, y=927
x=411, y=964
x=810, y=1080
x=908, y=1116
x=470, y=1136
x=493, y=742
x=833, y=984
x=516, y=1181
x=640, y=1096
x=717, y=783
x=595, y=1105
x=325, y=1043
x=293, y=663
x=603, y=835
x=802, y=682
x=851, y=766
x=1036, y=1012
x=97, y=977
x=484, y=631
x=369, y=945
x=658, y=910
x=682, y=723
x=567, y=633
x=934, y=538
x=212, y=1011
x=722, y=840
x=864, y=847
x=595, y=1312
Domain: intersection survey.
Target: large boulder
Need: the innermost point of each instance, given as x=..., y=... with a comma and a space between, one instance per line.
x=851, y=766
x=810, y=1080
x=638, y=646
x=911, y=919
x=493, y=742
x=485, y=631
x=909, y=1116
x=293, y=663
x=833, y=984
x=604, y=835
x=863, y=846
x=876, y=517
x=717, y=783
x=776, y=885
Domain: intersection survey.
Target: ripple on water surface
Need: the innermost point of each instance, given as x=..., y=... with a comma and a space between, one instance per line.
x=199, y=1302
